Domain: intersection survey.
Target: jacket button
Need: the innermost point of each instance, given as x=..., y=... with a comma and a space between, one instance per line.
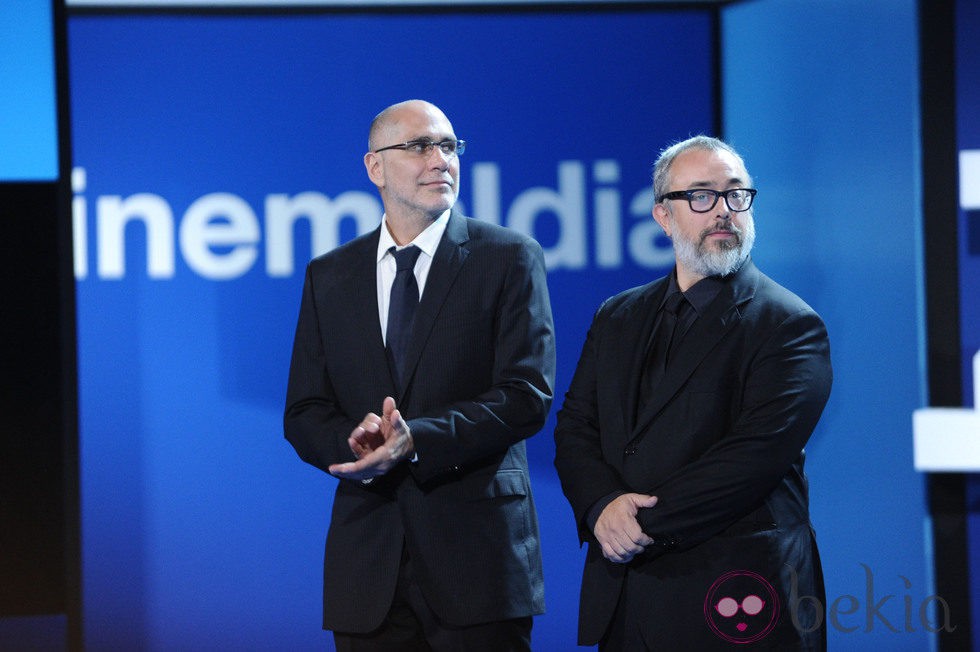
x=630, y=450
x=666, y=542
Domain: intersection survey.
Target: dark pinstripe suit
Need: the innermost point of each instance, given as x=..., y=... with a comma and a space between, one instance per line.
x=480, y=376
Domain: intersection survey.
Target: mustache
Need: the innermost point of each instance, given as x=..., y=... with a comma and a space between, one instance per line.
x=723, y=227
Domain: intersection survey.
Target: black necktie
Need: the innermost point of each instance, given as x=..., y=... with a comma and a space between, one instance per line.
x=404, y=299
x=661, y=340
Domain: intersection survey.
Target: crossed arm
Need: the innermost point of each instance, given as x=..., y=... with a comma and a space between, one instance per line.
x=785, y=391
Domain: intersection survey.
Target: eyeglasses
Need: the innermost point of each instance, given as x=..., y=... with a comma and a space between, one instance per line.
x=423, y=147
x=703, y=200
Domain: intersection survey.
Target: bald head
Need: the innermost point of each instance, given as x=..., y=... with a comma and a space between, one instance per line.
x=387, y=122
x=417, y=184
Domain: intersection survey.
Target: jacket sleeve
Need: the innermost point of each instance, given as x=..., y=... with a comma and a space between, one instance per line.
x=785, y=389
x=516, y=403
x=586, y=477
x=313, y=422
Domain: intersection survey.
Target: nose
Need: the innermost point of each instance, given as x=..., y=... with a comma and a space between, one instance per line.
x=722, y=210
x=441, y=154
x=439, y=158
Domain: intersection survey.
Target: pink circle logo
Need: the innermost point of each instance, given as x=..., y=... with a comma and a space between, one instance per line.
x=741, y=607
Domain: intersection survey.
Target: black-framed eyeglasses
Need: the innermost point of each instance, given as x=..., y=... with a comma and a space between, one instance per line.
x=703, y=200
x=423, y=147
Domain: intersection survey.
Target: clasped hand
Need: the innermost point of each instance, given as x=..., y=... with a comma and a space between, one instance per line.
x=378, y=442
x=618, y=529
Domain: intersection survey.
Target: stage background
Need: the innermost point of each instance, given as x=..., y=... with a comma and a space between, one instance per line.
x=196, y=139
x=968, y=142
x=201, y=528
x=28, y=113
x=968, y=137
x=822, y=98
x=38, y=436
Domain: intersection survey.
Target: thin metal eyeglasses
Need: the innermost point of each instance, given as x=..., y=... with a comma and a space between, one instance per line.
x=703, y=200
x=423, y=147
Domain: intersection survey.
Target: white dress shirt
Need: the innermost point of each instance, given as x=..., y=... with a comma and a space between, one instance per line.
x=427, y=241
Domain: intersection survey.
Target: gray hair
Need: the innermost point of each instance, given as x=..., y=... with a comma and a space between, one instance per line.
x=661, y=170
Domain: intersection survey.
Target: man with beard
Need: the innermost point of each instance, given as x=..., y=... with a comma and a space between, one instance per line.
x=680, y=441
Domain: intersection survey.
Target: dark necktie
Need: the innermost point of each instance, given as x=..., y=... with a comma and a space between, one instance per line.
x=404, y=299
x=661, y=341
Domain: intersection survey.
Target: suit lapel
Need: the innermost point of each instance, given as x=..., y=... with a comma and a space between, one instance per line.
x=362, y=299
x=446, y=263
x=636, y=335
x=721, y=317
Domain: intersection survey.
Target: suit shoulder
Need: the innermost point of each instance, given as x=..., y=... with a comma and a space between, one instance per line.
x=779, y=295
x=494, y=234
x=776, y=303
x=345, y=254
x=630, y=297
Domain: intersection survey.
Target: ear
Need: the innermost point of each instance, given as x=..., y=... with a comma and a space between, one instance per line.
x=374, y=165
x=662, y=217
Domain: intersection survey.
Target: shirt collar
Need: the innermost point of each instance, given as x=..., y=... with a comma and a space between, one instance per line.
x=700, y=295
x=427, y=241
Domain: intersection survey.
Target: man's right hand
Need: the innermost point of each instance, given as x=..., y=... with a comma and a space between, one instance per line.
x=618, y=530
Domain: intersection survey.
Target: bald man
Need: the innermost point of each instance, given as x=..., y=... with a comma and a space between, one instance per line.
x=423, y=358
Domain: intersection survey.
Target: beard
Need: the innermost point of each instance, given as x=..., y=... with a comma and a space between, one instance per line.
x=720, y=260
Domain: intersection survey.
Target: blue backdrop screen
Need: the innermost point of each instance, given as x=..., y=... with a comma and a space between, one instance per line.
x=214, y=155
x=968, y=135
x=968, y=228
x=28, y=122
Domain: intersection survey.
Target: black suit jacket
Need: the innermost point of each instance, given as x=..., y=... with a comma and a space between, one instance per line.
x=479, y=380
x=719, y=443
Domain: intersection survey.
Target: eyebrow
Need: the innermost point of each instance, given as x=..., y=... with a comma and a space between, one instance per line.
x=734, y=181
x=432, y=139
